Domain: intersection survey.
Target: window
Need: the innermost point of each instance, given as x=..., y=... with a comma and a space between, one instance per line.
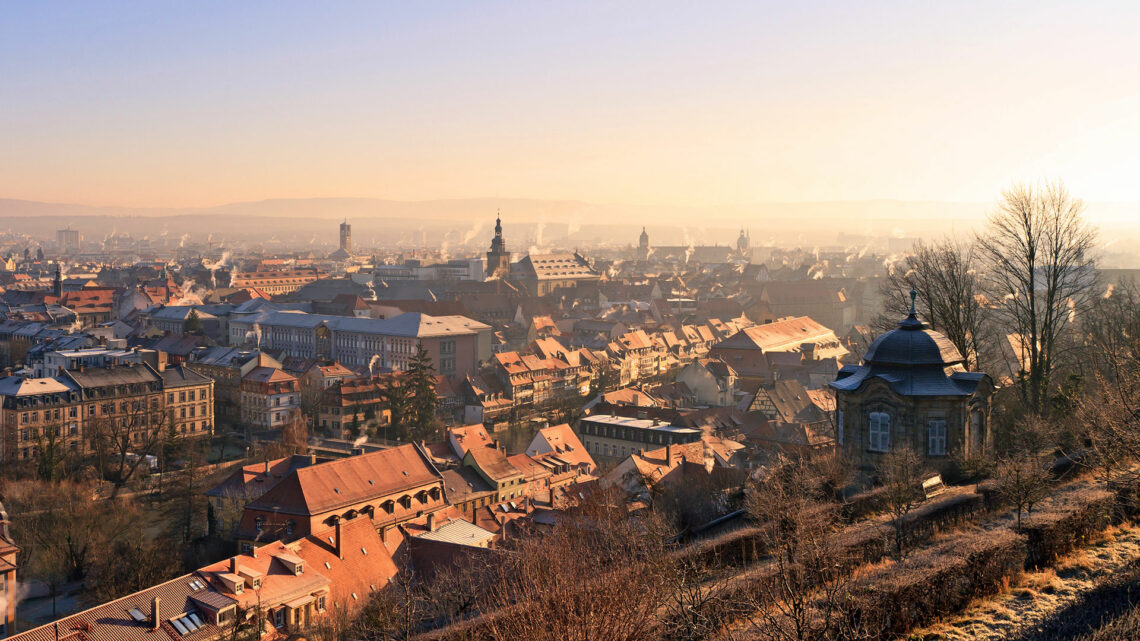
x=257, y=523
x=936, y=437
x=879, y=432
x=839, y=426
x=279, y=618
x=321, y=603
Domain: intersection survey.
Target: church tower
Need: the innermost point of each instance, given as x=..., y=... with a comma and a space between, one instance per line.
x=498, y=259
x=743, y=242
x=643, y=246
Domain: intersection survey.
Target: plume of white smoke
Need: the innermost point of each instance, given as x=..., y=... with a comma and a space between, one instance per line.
x=191, y=294
x=538, y=230
x=183, y=239
x=374, y=364
x=474, y=232
x=257, y=334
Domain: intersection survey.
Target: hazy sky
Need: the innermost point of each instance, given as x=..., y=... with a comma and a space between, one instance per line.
x=199, y=103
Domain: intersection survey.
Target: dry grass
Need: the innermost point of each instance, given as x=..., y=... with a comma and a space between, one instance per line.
x=1036, y=596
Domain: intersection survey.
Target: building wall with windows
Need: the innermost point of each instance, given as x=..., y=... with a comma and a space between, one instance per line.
x=72, y=412
x=616, y=437
x=912, y=390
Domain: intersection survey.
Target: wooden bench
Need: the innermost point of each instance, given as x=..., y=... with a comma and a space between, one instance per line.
x=933, y=486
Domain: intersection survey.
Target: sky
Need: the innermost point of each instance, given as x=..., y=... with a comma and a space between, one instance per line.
x=168, y=104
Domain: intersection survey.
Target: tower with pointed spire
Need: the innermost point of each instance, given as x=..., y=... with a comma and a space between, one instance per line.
x=498, y=259
x=57, y=283
x=643, y=246
x=743, y=242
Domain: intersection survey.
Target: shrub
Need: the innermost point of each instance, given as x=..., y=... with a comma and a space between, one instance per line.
x=889, y=601
x=864, y=504
x=1065, y=524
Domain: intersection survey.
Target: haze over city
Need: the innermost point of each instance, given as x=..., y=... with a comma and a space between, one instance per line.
x=658, y=104
x=540, y=321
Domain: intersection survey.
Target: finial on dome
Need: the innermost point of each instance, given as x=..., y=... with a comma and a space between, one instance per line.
x=911, y=321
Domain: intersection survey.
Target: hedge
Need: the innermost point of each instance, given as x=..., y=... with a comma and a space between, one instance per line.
x=864, y=504
x=934, y=582
x=1065, y=524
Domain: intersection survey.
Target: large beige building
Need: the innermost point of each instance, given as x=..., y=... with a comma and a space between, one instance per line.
x=275, y=283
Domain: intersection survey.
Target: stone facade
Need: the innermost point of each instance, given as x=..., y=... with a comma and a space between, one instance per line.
x=912, y=390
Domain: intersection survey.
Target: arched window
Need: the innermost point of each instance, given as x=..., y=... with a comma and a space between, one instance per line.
x=258, y=522
x=879, y=432
x=406, y=501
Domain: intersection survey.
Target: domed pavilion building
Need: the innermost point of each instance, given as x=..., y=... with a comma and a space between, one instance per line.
x=912, y=389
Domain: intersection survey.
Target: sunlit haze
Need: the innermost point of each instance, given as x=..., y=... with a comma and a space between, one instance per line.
x=655, y=103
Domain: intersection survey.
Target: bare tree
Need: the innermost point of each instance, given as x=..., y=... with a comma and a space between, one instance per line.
x=805, y=597
x=1040, y=276
x=128, y=432
x=1023, y=480
x=948, y=288
x=601, y=574
x=900, y=472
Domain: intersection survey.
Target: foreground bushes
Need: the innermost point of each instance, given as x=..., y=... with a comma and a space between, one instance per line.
x=943, y=579
x=1066, y=524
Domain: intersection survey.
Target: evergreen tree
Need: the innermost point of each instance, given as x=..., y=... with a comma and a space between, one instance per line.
x=421, y=387
x=193, y=324
x=397, y=398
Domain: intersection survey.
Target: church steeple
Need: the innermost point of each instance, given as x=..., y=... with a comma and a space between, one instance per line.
x=498, y=259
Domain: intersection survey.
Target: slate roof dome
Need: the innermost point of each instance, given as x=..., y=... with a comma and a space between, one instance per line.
x=912, y=344
x=914, y=361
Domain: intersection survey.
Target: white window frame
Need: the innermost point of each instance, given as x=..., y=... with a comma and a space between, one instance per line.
x=879, y=432
x=936, y=442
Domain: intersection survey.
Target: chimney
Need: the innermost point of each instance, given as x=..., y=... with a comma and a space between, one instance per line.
x=154, y=613
x=431, y=522
x=312, y=459
x=337, y=545
x=383, y=535
x=267, y=467
x=233, y=565
x=669, y=453
x=808, y=351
